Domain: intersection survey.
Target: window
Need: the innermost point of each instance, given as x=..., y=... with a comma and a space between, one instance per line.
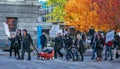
x=12, y=23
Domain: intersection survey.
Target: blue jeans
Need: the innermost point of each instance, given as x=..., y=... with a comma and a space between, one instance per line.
x=93, y=53
x=69, y=54
x=108, y=49
x=94, y=50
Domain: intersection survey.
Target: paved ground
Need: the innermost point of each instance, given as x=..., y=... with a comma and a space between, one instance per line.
x=12, y=63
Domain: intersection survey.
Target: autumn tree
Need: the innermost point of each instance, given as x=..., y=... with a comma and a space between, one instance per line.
x=108, y=12
x=79, y=13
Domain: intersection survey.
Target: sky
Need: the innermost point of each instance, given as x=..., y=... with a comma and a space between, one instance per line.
x=42, y=0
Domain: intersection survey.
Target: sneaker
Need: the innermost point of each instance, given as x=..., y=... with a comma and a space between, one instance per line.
x=111, y=59
x=105, y=59
x=92, y=58
x=29, y=59
x=18, y=58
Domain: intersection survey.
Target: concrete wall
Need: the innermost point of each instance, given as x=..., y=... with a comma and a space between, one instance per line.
x=26, y=14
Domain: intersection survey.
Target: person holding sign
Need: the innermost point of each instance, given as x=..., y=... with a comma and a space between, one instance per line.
x=12, y=47
x=109, y=43
x=108, y=49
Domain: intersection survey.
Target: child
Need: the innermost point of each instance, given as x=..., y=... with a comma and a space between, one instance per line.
x=12, y=47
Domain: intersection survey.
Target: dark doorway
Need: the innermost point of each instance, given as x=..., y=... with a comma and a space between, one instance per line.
x=12, y=23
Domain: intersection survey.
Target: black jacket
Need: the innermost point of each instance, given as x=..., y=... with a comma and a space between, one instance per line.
x=57, y=45
x=81, y=45
x=43, y=39
x=27, y=40
x=12, y=41
x=18, y=40
x=100, y=43
x=91, y=32
x=68, y=42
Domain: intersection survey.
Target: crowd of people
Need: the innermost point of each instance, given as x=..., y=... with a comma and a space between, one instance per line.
x=75, y=45
x=72, y=44
x=16, y=41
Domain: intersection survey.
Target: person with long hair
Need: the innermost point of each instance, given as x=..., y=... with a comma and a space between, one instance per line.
x=99, y=47
x=79, y=46
x=18, y=39
x=27, y=41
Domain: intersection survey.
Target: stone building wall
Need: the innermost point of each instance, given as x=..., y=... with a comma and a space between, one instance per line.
x=26, y=14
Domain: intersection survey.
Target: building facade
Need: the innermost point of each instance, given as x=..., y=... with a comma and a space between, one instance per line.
x=18, y=14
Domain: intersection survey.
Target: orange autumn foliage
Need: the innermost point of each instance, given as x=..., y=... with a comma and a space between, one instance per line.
x=85, y=13
x=108, y=12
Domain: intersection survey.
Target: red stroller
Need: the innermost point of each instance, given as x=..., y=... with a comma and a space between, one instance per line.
x=47, y=53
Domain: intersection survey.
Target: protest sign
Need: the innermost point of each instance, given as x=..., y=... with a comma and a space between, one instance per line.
x=110, y=36
x=6, y=28
x=54, y=30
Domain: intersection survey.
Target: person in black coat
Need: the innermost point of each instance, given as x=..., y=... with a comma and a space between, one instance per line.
x=68, y=44
x=79, y=46
x=12, y=47
x=57, y=46
x=18, y=39
x=43, y=40
x=91, y=32
x=99, y=47
x=93, y=45
x=27, y=41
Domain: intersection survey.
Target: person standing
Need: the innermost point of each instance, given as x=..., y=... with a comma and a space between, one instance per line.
x=43, y=40
x=27, y=41
x=18, y=39
x=80, y=47
x=12, y=47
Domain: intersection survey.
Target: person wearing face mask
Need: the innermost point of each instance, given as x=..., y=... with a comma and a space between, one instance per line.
x=80, y=47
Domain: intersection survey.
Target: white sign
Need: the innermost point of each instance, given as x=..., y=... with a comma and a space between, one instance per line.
x=54, y=30
x=60, y=31
x=6, y=28
x=118, y=33
x=110, y=36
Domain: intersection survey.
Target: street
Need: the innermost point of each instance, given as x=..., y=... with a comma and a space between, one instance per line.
x=12, y=63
